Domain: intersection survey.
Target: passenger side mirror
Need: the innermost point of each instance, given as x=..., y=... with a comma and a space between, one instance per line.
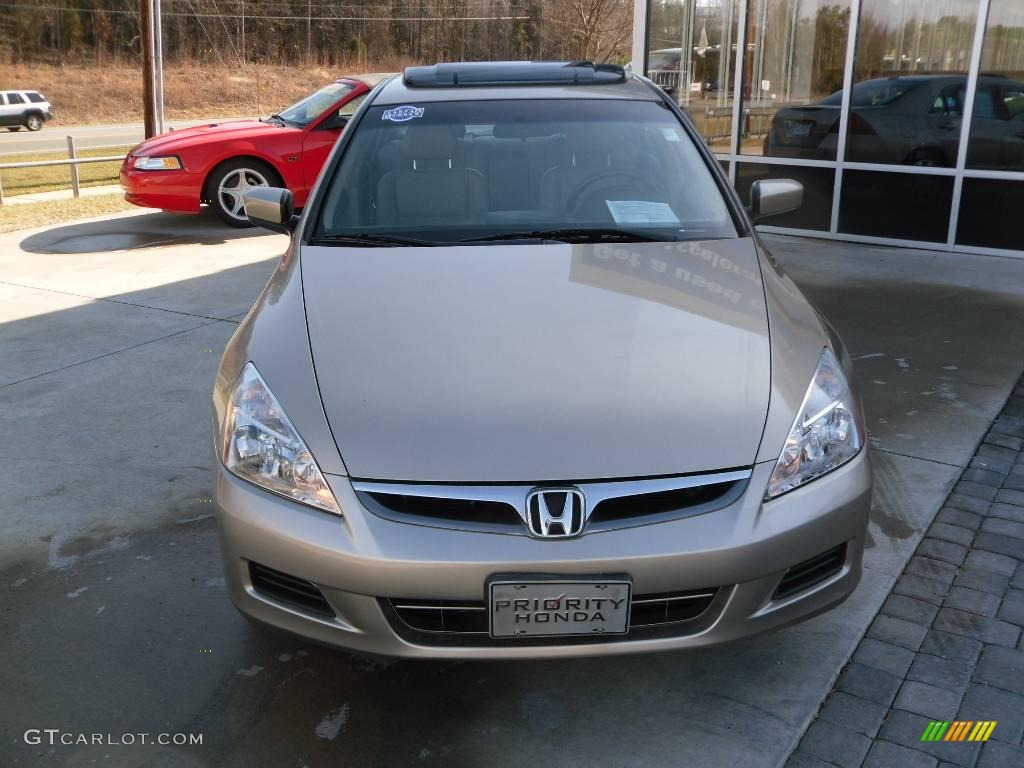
x=271, y=208
x=774, y=197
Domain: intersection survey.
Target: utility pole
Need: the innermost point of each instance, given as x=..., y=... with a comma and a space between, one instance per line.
x=148, y=78
x=243, y=33
x=158, y=60
x=309, y=46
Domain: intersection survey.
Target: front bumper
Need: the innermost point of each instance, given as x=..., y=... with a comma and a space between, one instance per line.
x=743, y=549
x=176, y=191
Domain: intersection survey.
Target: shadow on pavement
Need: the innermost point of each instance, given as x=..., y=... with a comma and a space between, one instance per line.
x=144, y=230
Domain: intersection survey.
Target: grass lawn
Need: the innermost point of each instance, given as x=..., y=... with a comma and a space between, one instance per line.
x=29, y=215
x=24, y=181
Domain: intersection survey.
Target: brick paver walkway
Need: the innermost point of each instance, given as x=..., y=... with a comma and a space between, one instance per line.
x=947, y=644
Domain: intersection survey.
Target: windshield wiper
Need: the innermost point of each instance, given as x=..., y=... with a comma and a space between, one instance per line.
x=577, y=235
x=367, y=238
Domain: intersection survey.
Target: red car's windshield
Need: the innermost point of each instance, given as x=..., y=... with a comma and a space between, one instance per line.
x=310, y=108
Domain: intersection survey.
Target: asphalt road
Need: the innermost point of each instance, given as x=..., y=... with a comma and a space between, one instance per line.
x=112, y=602
x=54, y=135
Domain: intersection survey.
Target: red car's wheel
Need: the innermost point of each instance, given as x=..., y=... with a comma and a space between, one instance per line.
x=227, y=185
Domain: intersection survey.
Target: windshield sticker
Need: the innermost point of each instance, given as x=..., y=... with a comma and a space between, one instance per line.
x=402, y=114
x=670, y=134
x=641, y=212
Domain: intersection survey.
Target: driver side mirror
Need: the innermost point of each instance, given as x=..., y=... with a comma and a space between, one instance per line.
x=334, y=122
x=774, y=197
x=271, y=208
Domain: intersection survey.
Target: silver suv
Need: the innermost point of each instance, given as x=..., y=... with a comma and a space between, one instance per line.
x=526, y=383
x=28, y=109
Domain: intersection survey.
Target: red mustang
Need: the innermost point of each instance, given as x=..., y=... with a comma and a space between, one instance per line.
x=215, y=164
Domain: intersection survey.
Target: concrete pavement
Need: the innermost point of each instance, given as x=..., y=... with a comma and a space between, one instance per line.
x=54, y=135
x=110, y=579
x=62, y=194
x=946, y=650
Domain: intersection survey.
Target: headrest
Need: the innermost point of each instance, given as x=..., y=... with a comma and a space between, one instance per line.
x=429, y=142
x=591, y=145
x=522, y=130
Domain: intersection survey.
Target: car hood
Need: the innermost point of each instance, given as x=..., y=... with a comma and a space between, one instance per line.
x=229, y=129
x=529, y=363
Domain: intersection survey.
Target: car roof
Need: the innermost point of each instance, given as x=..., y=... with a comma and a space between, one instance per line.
x=511, y=80
x=371, y=79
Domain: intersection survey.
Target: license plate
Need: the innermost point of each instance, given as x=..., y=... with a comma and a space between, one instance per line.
x=798, y=129
x=550, y=608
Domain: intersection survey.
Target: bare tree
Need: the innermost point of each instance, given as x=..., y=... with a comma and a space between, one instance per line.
x=366, y=34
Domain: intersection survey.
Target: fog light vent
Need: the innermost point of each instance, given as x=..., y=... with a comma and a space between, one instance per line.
x=811, y=572
x=291, y=591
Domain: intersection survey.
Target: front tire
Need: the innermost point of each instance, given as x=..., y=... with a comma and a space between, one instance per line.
x=228, y=183
x=34, y=122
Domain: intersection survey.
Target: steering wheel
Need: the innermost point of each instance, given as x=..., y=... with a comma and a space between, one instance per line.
x=608, y=179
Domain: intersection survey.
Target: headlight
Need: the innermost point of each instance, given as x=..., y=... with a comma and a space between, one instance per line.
x=259, y=444
x=825, y=435
x=168, y=163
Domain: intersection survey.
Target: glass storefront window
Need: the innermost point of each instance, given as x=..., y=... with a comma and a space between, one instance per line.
x=692, y=55
x=997, y=125
x=911, y=72
x=990, y=214
x=902, y=206
x=795, y=55
x=905, y=107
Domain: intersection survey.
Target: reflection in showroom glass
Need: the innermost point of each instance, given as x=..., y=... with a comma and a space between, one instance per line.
x=701, y=81
x=909, y=81
x=997, y=126
x=793, y=74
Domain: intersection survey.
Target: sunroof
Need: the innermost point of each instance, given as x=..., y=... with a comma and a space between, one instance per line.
x=500, y=73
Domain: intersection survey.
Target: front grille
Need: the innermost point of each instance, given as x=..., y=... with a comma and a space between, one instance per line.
x=443, y=615
x=473, y=511
x=695, y=500
x=810, y=573
x=669, y=607
x=465, y=622
x=290, y=591
x=502, y=508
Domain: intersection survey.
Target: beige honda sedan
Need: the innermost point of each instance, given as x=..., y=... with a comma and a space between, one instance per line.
x=526, y=384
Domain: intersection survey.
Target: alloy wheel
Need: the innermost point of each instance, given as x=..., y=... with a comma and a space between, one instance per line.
x=232, y=188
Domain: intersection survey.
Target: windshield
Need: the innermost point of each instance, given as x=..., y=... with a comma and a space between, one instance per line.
x=874, y=93
x=664, y=59
x=310, y=108
x=445, y=172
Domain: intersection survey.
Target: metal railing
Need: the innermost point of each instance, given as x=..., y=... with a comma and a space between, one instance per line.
x=73, y=160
